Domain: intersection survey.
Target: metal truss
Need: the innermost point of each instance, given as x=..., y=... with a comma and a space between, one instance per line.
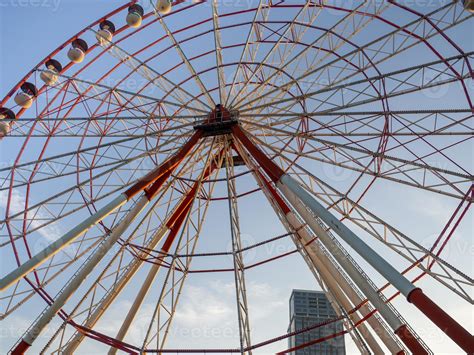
x=107, y=180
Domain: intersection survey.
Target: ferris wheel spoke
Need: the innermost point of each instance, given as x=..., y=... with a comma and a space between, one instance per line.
x=218, y=48
x=119, y=126
x=99, y=87
x=281, y=36
x=117, y=154
x=266, y=116
x=143, y=69
x=103, y=145
x=291, y=41
x=48, y=176
x=182, y=55
x=353, y=98
x=365, y=165
x=103, y=123
x=293, y=116
x=402, y=82
x=350, y=27
x=252, y=32
x=385, y=47
x=238, y=260
x=347, y=125
x=133, y=103
x=287, y=108
x=105, y=103
x=396, y=169
x=347, y=28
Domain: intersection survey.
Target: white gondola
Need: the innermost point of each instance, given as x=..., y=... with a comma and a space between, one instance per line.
x=163, y=6
x=23, y=99
x=469, y=5
x=50, y=75
x=134, y=19
x=4, y=129
x=5, y=125
x=105, y=34
x=78, y=50
x=104, y=37
x=135, y=16
x=76, y=55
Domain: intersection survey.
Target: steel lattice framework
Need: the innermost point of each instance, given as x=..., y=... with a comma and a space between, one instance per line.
x=113, y=179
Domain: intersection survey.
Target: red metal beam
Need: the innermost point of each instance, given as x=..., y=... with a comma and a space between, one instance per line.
x=168, y=165
x=443, y=320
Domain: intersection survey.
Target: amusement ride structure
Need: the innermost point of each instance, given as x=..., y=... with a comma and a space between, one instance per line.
x=156, y=111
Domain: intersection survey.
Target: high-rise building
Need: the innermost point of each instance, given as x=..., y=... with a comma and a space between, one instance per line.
x=308, y=308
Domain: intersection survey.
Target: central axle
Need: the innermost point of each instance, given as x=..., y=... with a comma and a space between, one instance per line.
x=219, y=121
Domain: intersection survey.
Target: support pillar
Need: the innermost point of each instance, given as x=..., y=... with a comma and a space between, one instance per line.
x=332, y=277
x=291, y=189
x=156, y=179
x=173, y=225
x=278, y=176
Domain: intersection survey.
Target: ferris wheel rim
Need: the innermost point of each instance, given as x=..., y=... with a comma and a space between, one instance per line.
x=385, y=100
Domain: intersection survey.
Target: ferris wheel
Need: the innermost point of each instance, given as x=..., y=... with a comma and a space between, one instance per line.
x=124, y=139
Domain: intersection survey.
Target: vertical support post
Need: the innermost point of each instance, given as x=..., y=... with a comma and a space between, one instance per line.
x=338, y=286
x=239, y=267
x=304, y=203
x=173, y=282
x=287, y=184
x=333, y=278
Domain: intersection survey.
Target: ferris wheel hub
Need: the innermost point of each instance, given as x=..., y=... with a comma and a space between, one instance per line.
x=219, y=121
x=221, y=113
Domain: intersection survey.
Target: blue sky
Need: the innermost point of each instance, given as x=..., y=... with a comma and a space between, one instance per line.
x=29, y=30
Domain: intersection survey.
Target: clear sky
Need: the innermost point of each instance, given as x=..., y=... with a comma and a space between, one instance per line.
x=31, y=29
